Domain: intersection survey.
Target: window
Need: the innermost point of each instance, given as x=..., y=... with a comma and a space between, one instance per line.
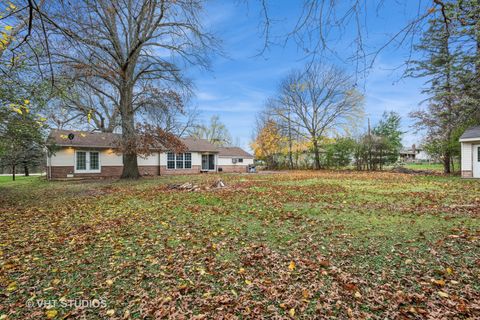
x=81, y=160
x=171, y=160
x=179, y=160
x=240, y=159
x=87, y=161
x=94, y=161
x=235, y=160
x=188, y=160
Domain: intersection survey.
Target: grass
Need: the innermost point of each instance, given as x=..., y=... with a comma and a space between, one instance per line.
x=429, y=166
x=300, y=244
x=18, y=179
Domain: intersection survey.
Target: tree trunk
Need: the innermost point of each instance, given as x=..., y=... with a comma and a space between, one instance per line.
x=25, y=170
x=130, y=165
x=446, y=163
x=13, y=172
x=316, y=151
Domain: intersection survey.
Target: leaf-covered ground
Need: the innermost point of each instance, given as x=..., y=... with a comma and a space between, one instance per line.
x=289, y=245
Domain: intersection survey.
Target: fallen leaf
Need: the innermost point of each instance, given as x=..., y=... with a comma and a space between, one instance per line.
x=111, y=312
x=51, y=313
x=439, y=282
x=291, y=312
x=291, y=266
x=109, y=282
x=443, y=294
x=12, y=286
x=248, y=282
x=358, y=295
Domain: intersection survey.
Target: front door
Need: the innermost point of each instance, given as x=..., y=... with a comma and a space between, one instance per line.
x=476, y=161
x=208, y=162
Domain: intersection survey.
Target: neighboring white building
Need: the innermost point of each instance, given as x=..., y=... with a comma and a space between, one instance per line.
x=470, y=146
x=93, y=154
x=414, y=154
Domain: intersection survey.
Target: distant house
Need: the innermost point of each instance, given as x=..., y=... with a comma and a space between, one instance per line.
x=470, y=152
x=414, y=154
x=93, y=154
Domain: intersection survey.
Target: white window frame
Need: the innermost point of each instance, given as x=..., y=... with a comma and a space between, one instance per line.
x=183, y=161
x=87, y=162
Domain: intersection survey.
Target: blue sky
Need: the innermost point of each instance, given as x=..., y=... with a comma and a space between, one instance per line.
x=239, y=82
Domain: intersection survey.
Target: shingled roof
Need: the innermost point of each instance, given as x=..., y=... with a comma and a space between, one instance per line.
x=471, y=133
x=233, y=152
x=86, y=139
x=83, y=139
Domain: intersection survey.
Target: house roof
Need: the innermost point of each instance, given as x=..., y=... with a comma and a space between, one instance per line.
x=233, y=152
x=83, y=139
x=109, y=140
x=195, y=144
x=471, y=133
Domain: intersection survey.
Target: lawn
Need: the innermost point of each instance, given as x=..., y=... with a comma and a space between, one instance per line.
x=429, y=166
x=300, y=245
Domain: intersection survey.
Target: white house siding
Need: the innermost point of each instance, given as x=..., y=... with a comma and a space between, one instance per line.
x=227, y=161
x=422, y=156
x=110, y=158
x=466, y=155
x=150, y=160
x=63, y=157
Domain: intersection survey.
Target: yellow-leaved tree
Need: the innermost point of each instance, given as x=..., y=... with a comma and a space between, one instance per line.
x=268, y=143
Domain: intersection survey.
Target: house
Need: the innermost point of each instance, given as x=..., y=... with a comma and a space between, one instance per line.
x=470, y=152
x=414, y=154
x=93, y=154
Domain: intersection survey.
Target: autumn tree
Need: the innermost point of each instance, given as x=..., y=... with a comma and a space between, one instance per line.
x=130, y=53
x=215, y=131
x=318, y=100
x=268, y=142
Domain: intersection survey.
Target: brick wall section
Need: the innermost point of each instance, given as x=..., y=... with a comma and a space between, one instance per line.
x=467, y=174
x=233, y=168
x=61, y=172
x=107, y=172
x=165, y=171
x=149, y=170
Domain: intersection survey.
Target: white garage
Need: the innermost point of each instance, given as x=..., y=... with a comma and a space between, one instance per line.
x=470, y=141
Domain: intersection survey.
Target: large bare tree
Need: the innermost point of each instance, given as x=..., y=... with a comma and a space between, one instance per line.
x=216, y=132
x=317, y=101
x=128, y=53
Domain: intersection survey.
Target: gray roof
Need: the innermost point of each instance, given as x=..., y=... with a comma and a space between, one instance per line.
x=471, y=133
x=110, y=140
x=233, y=152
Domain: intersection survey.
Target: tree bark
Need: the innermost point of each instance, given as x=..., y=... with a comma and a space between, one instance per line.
x=446, y=163
x=13, y=172
x=130, y=165
x=25, y=170
x=316, y=151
